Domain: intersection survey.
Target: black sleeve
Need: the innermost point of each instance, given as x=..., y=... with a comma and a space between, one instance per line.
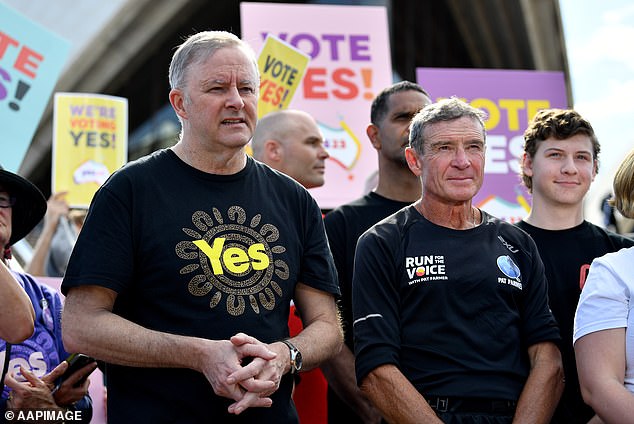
x=375, y=304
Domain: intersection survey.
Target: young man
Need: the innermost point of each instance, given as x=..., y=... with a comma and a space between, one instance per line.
x=390, y=116
x=560, y=161
x=186, y=250
x=451, y=320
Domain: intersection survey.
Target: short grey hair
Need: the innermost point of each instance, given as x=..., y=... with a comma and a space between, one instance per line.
x=443, y=110
x=198, y=48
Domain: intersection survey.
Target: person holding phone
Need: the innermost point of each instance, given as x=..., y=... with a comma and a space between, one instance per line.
x=30, y=369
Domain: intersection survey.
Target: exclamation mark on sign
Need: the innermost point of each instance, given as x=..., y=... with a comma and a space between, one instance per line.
x=283, y=101
x=366, y=74
x=19, y=94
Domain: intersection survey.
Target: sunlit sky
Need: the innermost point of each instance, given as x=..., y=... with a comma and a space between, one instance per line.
x=600, y=42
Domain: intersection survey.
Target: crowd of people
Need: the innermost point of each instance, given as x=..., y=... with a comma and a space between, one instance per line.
x=218, y=292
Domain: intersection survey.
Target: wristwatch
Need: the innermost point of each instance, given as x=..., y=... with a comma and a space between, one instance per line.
x=296, y=357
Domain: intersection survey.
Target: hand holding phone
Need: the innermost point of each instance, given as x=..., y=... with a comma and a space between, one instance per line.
x=76, y=361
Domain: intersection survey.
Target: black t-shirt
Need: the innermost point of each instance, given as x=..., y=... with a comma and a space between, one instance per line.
x=344, y=225
x=454, y=310
x=567, y=255
x=202, y=255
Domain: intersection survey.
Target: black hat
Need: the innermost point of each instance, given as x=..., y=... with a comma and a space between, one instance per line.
x=30, y=204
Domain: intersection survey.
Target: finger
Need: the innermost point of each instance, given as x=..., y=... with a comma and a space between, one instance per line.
x=250, y=400
x=241, y=338
x=256, y=351
x=31, y=378
x=56, y=373
x=229, y=391
x=258, y=386
x=12, y=382
x=248, y=371
x=60, y=194
x=81, y=373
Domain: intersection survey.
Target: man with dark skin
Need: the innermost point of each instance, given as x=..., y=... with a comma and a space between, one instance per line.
x=391, y=113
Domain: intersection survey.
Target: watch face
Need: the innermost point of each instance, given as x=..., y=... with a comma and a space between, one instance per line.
x=298, y=360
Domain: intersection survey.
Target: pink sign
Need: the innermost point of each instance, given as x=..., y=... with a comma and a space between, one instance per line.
x=349, y=64
x=510, y=98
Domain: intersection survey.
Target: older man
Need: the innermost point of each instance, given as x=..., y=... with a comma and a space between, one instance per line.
x=451, y=320
x=186, y=250
x=390, y=115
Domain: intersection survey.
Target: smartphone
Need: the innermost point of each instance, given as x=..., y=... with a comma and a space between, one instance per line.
x=76, y=361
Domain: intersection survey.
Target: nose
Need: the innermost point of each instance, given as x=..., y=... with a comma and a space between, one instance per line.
x=323, y=153
x=460, y=159
x=234, y=99
x=568, y=167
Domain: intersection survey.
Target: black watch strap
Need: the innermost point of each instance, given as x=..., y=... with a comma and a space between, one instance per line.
x=296, y=357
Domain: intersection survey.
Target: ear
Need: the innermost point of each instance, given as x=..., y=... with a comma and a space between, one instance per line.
x=527, y=165
x=273, y=150
x=413, y=161
x=177, y=100
x=373, y=134
x=595, y=168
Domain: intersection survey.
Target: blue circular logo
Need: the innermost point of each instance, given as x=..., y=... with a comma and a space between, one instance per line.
x=508, y=267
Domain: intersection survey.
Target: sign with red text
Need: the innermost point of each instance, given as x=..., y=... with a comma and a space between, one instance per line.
x=90, y=142
x=281, y=70
x=31, y=59
x=350, y=63
x=510, y=98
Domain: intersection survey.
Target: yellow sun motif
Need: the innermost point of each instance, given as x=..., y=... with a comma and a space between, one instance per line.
x=233, y=260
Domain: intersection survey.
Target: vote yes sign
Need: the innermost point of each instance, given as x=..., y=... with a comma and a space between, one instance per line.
x=281, y=69
x=31, y=59
x=349, y=65
x=90, y=142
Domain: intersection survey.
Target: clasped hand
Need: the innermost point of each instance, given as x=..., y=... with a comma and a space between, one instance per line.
x=245, y=370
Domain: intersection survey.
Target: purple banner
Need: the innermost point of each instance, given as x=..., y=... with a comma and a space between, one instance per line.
x=510, y=99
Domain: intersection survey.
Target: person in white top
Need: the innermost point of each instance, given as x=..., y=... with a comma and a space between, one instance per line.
x=604, y=325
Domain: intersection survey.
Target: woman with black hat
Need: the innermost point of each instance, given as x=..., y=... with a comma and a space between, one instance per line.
x=30, y=368
x=16, y=311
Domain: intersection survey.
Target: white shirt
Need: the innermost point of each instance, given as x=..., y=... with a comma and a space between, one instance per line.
x=607, y=300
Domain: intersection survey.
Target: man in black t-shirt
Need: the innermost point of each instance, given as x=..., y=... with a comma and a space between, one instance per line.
x=183, y=274
x=451, y=319
x=560, y=161
x=390, y=115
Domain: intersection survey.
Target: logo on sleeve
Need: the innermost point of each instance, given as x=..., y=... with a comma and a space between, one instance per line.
x=425, y=268
x=234, y=260
x=510, y=270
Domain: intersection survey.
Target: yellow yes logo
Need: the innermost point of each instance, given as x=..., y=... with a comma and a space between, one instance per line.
x=234, y=259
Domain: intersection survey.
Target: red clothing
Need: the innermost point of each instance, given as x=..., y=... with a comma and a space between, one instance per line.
x=310, y=394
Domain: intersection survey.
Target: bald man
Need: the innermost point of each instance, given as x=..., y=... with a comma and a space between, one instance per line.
x=290, y=141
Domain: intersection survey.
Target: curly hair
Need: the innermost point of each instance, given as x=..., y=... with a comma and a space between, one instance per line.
x=560, y=124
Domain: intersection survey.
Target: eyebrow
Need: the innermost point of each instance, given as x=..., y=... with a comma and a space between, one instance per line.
x=559, y=149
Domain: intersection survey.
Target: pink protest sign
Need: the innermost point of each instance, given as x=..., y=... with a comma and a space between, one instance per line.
x=510, y=98
x=349, y=64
